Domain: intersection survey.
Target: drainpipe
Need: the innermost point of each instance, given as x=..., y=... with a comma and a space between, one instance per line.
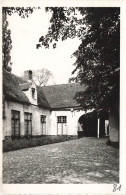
x=98, y=129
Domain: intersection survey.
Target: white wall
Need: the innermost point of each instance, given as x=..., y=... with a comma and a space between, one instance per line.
x=28, y=93
x=36, y=112
x=72, y=121
x=51, y=119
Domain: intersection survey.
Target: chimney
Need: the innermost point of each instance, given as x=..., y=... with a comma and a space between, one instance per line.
x=27, y=75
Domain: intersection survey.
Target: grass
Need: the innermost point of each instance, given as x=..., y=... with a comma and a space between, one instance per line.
x=17, y=144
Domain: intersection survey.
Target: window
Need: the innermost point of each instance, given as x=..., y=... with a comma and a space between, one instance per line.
x=61, y=125
x=15, y=122
x=43, y=118
x=28, y=123
x=43, y=124
x=61, y=119
x=33, y=93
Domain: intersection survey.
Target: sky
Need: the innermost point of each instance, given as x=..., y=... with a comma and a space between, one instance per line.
x=25, y=35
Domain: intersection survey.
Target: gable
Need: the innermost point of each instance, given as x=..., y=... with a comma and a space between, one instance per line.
x=13, y=86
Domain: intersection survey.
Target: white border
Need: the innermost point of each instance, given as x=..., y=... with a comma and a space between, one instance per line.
x=80, y=188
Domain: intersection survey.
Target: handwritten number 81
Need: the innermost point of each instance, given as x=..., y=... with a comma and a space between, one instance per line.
x=115, y=187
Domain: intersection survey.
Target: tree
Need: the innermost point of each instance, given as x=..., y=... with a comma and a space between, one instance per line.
x=7, y=42
x=41, y=77
x=6, y=33
x=98, y=55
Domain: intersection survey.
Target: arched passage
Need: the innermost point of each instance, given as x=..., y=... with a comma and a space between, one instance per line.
x=89, y=125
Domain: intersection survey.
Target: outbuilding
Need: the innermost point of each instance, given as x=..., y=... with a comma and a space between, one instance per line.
x=30, y=110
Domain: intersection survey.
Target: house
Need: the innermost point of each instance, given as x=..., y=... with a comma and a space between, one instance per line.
x=25, y=107
x=30, y=110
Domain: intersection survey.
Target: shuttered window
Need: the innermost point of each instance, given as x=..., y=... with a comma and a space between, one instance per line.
x=28, y=123
x=15, y=122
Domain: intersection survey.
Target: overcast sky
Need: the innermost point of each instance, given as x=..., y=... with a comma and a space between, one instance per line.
x=25, y=35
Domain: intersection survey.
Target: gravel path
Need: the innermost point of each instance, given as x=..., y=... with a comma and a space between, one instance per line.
x=80, y=161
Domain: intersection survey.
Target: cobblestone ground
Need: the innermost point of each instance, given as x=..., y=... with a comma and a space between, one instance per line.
x=81, y=161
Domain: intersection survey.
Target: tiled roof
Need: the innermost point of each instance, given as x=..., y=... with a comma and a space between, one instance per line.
x=42, y=100
x=12, y=90
x=62, y=96
x=54, y=96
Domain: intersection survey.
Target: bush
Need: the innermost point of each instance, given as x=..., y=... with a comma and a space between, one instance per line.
x=16, y=144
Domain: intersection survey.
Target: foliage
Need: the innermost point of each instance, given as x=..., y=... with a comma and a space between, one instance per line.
x=41, y=77
x=7, y=43
x=6, y=33
x=98, y=55
x=18, y=143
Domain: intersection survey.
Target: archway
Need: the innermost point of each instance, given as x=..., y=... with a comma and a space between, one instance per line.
x=90, y=125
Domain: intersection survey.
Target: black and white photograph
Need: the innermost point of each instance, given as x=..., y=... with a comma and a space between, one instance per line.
x=61, y=95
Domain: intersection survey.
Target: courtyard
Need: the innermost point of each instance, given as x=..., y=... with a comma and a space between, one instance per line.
x=80, y=161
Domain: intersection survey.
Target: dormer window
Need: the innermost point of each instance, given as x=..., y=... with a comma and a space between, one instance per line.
x=33, y=93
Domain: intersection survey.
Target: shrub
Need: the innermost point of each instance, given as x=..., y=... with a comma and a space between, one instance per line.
x=16, y=144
